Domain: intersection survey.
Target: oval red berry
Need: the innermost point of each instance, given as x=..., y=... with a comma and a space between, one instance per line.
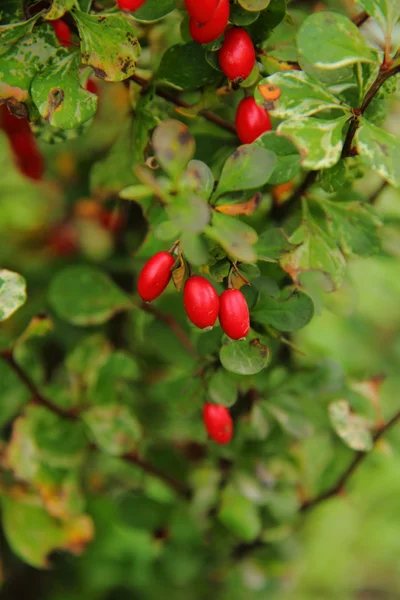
x=234, y=314
x=237, y=56
x=202, y=12
x=211, y=30
x=251, y=121
x=130, y=5
x=155, y=276
x=218, y=423
x=62, y=31
x=201, y=302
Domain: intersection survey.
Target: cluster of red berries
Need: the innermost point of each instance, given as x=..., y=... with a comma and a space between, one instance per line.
x=202, y=306
x=23, y=143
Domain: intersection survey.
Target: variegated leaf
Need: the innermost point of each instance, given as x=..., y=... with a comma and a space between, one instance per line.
x=351, y=428
x=58, y=8
x=12, y=293
x=319, y=142
x=379, y=150
x=386, y=12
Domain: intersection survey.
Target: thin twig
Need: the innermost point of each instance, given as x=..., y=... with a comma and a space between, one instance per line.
x=360, y=18
x=169, y=97
x=37, y=396
x=173, y=325
x=182, y=489
x=376, y=195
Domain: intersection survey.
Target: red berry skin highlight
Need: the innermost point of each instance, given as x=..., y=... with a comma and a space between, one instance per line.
x=130, y=5
x=251, y=121
x=201, y=302
x=203, y=34
x=218, y=423
x=201, y=11
x=237, y=56
x=234, y=314
x=155, y=276
x=62, y=32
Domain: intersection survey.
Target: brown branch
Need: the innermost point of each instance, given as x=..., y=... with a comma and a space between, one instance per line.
x=169, y=97
x=37, y=397
x=244, y=549
x=360, y=18
x=182, y=489
x=74, y=415
x=173, y=325
x=279, y=212
x=376, y=195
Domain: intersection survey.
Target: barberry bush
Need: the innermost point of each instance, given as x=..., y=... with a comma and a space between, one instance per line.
x=199, y=299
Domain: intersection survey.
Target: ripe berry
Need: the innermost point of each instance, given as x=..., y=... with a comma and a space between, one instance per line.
x=218, y=423
x=155, y=276
x=234, y=314
x=62, y=32
x=203, y=11
x=237, y=56
x=201, y=302
x=92, y=87
x=130, y=5
x=251, y=121
x=213, y=28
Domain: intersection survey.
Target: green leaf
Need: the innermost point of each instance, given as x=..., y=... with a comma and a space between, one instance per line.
x=354, y=225
x=330, y=40
x=240, y=515
x=198, y=178
x=108, y=44
x=235, y=237
x=84, y=295
x=191, y=214
x=285, y=409
x=300, y=95
x=379, y=150
x=195, y=249
x=114, y=428
x=58, y=8
x=144, y=123
x=244, y=357
x=12, y=293
x=33, y=534
x=154, y=10
x=288, y=313
x=386, y=12
x=114, y=171
x=9, y=34
x=269, y=18
x=272, y=244
x=315, y=251
x=351, y=428
x=254, y=5
x=241, y=17
x=22, y=61
x=193, y=72
x=58, y=96
x=173, y=146
x=288, y=158
x=249, y=167
x=319, y=142
x=13, y=394
x=222, y=388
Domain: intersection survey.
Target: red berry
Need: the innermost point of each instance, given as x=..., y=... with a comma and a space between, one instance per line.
x=92, y=87
x=23, y=143
x=62, y=32
x=12, y=124
x=213, y=28
x=63, y=240
x=202, y=11
x=237, y=56
x=218, y=423
x=201, y=302
x=155, y=276
x=251, y=121
x=234, y=314
x=130, y=5
x=32, y=166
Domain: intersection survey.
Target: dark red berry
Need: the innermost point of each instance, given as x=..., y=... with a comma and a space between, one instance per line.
x=32, y=166
x=63, y=240
x=155, y=276
x=218, y=423
x=62, y=31
x=234, y=314
x=201, y=302
x=251, y=121
x=213, y=28
x=92, y=87
x=201, y=11
x=130, y=5
x=237, y=56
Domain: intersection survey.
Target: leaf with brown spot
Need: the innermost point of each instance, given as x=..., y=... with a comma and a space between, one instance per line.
x=243, y=208
x=178, y=274
x=108, y=44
